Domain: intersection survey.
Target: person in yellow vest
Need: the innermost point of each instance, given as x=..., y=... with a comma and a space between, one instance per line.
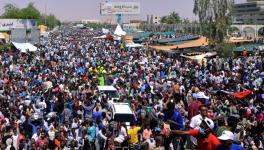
x=100, y=75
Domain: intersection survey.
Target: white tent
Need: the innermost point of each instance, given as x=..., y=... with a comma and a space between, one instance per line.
x=119, y=31
x=133, y=45
x=105, y=31
x=100, y=37
x=25, y=47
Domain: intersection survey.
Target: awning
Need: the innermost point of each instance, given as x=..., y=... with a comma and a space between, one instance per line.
x=107, y=36
x=250, y=48
x=100, y=37
x=105, y=31
x=133, y=45
x=25, y=47
x=2, y=36
x=201, y=42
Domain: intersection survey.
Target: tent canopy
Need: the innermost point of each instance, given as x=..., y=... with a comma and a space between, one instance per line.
x=188, y=44
x=133, y=45
x=119, y=31
x=249, y=47
x=105, y=31
x=107, y=36
x=25, y=47
x=2, y=36
x=100, y=37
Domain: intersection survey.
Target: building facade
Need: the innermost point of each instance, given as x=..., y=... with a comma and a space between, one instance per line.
x=251, y=12
x=153, y=19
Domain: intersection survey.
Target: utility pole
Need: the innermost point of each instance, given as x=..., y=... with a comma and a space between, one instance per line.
x=45, y=13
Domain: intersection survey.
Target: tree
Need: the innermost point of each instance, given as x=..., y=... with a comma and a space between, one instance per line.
x=51, y=21
x=214, y=17
x=10, y=12
x=173, y=18
x=225, y=49
x=29, y=12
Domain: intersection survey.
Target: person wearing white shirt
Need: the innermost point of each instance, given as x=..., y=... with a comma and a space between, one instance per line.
x=151, y=143
x=100, y=139
x=51, y=134
x=122, y=134
x=35, y=136
x=14, y=139
x=197, y=120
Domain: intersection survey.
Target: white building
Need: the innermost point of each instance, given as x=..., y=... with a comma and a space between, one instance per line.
x=90, y=21
x=153, y=19
x=251, y=12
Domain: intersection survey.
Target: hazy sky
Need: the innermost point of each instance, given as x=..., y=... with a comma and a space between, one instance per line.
x=89, y=9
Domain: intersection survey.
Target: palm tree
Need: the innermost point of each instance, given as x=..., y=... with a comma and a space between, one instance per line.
x=214, y=17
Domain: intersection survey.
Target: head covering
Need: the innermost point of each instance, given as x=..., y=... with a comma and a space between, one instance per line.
x=226, y=135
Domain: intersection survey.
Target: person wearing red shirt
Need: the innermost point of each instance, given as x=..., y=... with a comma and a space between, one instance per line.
x=42, y=142
x=205, y=139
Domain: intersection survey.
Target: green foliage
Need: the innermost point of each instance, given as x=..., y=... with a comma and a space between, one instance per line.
x=98, y=25
x=225, y=49
x=11, y=11
x=214, y=17
x=173, y=18
x=5, y=46
x=29, y=12
x=50, y=21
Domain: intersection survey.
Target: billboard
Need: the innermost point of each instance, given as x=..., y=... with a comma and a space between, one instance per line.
x=18, y=35
x=123, y=8
x=8, y=24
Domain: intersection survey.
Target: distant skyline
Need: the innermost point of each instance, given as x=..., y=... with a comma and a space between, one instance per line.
x=74, y=10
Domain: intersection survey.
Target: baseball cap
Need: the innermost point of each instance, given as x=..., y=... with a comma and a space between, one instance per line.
x=226, y=135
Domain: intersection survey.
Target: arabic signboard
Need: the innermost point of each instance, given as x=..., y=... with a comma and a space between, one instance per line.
x=8, y=24
x=124, y=8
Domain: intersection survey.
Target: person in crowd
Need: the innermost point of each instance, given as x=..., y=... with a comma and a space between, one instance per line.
x=227, y=143
x=175, y=121
x=42, y=142
x=133, y=134
x=122, y=134
x=204, y=135
x=91, y=132
x=147, y=133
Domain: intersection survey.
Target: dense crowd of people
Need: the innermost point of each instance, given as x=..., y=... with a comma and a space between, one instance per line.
x=49, y=99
